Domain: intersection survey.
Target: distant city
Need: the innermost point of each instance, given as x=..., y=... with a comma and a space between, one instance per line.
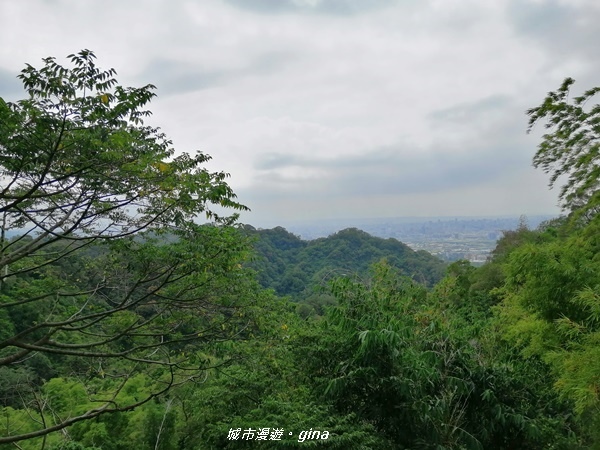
x=449, y=238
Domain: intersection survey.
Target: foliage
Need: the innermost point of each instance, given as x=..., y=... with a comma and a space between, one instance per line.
x=550, y=310
x=295, y=267
x=108, y=276
x=571, y=148
x=549, y=299
x=408, y=364
x=264, y=385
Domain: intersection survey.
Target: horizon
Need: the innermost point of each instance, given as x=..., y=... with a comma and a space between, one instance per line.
x=399, y=219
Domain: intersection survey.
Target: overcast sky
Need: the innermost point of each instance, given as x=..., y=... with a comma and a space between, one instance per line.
x=336, y=108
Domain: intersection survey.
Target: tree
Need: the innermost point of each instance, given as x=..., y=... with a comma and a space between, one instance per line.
x=417, y=367
x=571, y=148
x=551, y=311
x=103, y=269
x=550, y=293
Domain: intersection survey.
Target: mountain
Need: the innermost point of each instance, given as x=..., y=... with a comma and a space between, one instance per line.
x=288, y=264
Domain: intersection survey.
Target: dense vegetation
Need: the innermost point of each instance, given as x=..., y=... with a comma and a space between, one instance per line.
x=124, y=324
x=298, y=269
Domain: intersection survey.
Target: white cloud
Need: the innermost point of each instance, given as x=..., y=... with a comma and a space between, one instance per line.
x=387, y=107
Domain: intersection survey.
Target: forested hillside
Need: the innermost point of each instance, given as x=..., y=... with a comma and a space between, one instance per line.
x=126, y=324
x=290, y=265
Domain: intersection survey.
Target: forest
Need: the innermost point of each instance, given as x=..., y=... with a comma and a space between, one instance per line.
x=125, y=323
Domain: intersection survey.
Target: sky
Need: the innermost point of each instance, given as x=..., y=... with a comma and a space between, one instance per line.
x=330, y=109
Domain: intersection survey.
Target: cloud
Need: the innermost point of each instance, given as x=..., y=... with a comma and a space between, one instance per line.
x=11, y=88
x=386, y=171
x=476, y=110
x=568, y=29
x=479, y=158
x=337, y=107
x=326, y=7
x=173, y=76
x=518, y=192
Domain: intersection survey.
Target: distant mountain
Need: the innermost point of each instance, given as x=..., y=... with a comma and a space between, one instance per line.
x=406, y=229
x=290, y=265
x=449, y=238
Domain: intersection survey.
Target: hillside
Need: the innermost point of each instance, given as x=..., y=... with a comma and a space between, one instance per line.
x=289, y=265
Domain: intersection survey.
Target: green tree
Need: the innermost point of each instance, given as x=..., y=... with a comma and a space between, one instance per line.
x=109, y=276
x=550, y=294
x=265, y=383
x=571, y=148
x=550, y=311
x=418, y=368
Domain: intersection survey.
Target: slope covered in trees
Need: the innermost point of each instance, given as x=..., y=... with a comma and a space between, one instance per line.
x=289, y=265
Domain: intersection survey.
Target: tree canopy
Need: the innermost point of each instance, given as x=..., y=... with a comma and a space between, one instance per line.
x=572, y=147
x=107, y=276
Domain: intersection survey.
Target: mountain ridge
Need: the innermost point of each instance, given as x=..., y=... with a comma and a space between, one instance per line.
x=288, y=264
